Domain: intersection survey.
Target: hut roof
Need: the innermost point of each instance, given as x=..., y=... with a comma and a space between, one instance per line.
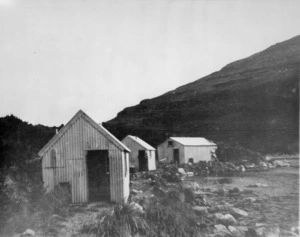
x=193, y=141
x=101, y=129
x=141, y=142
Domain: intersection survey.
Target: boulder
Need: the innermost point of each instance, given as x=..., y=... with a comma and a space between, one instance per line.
x=258, y=185
x=220, y=208
x=190, y=174
x=200, y=210
x=236, y=232
x=137, y=207
x=235, y=190
x=226, y=219
x=242, y=168
x=221, y=231
x=236, y=212
x=221, y=191
x=28, y=232
x=193, y=185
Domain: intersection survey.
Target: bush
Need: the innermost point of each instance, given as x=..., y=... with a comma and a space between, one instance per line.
x=237, y=154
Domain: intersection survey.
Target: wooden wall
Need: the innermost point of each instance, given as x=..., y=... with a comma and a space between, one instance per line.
x=71, y=149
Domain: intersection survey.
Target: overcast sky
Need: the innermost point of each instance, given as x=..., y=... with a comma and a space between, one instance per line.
x=59, y=56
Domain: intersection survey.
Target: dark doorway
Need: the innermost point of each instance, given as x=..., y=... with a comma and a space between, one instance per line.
x=143, y=161
x=176, y=156
x=98, y=175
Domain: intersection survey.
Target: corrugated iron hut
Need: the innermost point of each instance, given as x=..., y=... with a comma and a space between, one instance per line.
x=91, y=161
x=142, y=155
x=186, y=149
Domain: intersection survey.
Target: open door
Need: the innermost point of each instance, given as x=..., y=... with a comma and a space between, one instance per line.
x=176, y=156
x=98, y=175
x=143, y=161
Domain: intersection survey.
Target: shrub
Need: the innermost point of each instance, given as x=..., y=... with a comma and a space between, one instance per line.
x=237, y=154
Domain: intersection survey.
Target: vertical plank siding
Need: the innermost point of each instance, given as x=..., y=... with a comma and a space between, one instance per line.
x=71, y=149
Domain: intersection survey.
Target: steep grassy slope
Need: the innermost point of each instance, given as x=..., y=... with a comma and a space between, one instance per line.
x=253, y=102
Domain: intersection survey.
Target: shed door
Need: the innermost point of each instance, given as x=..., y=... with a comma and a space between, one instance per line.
x=176, y=156
x=143, y=161
x=98, y=175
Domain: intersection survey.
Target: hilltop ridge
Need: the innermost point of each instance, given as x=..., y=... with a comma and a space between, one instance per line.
x=253, y=102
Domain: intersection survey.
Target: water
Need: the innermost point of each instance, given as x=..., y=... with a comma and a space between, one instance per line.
x=278, y=203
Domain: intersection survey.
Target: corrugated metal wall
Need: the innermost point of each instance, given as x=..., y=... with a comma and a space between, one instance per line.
x=71, y=149
x=198, y=153
x=134, y=154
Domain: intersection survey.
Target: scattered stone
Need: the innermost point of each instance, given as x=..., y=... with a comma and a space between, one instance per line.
x=242, y=168
x=287, y=233
x=200, y=210
x=250, y=199
x=28, y=232
x=200, y=201
x=295, y=229
x=190, y=174
x=181, y=171
x=134, y=191
x=280, y=163
x=249, y=166
x=263, y=164
x=268, y=231
x=258, y=185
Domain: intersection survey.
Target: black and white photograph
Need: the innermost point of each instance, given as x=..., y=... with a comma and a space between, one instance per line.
x=149, y=118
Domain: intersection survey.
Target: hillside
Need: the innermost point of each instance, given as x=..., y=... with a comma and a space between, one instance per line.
x=253, y=102
x=20, y=141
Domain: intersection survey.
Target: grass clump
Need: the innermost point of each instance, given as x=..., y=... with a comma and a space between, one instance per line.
x=164, y=217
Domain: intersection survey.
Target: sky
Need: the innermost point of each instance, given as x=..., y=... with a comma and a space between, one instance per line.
x=59, y=56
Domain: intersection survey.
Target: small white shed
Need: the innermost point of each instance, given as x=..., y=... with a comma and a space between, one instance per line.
x=185, y=149
x=142, y=155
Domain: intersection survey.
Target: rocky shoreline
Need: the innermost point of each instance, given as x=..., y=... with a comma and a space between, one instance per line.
x=215, y=219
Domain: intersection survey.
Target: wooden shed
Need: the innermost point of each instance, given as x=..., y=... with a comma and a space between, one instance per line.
x=186, y=149
x=142, y=155
x=88, y=159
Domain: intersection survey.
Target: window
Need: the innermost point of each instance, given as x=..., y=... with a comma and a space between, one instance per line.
x=53, y=158
x=170, y=143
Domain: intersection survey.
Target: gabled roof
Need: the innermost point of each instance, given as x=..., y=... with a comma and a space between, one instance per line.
x=193, y=141
x=98, y=127
x=140, y=141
